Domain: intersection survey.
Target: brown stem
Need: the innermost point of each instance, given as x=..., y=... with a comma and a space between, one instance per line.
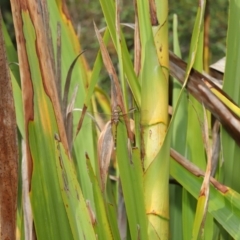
x=195, y=170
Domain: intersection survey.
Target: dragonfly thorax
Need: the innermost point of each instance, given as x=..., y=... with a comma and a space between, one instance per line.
x=115, y=116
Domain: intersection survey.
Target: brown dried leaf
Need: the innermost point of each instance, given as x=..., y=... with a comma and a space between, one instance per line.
x=91, y=213
x=8, y=150
x=117, y=99
x=117, y=20
x=137, y=45
x=199, y=86
x=116, y=92
x=196, y=170
x=27, y=90
x=216, y=146
x=204, y=191
x=105, y=148
x=59, y=62
x=38, y=13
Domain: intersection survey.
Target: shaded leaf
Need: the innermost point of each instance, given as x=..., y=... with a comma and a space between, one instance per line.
x=66, y=89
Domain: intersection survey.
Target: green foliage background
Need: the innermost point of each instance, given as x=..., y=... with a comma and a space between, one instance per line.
x=83, y=13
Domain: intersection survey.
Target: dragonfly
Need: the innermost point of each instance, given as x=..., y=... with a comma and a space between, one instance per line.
x=100, y=119
x=107, y=140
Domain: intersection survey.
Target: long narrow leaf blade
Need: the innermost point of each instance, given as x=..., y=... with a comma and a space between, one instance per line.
x=131, y=175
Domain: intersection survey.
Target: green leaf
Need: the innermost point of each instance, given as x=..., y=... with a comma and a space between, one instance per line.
x=80, y=76
x=224, y=205
x=103, y=225
x=131, y=174
x=231, y=150
x=78, y=215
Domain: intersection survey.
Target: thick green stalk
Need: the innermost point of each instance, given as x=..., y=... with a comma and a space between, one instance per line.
x=154, y=113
